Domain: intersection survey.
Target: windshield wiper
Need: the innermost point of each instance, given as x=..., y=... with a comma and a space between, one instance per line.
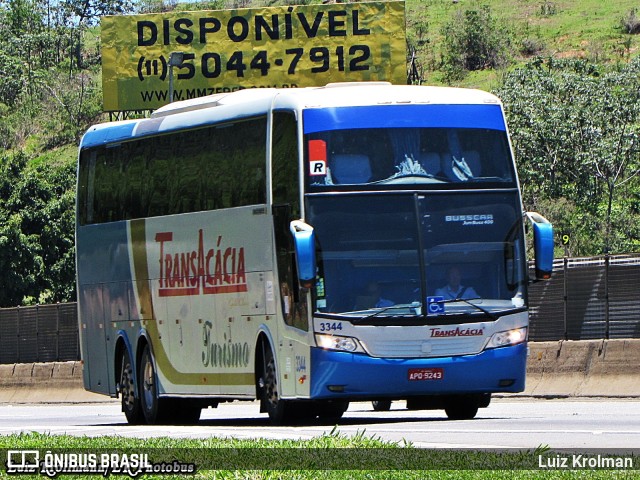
x=409, y=306
x=492, y=316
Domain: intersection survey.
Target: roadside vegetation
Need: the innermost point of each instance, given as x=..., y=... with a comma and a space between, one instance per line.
x=567, y=71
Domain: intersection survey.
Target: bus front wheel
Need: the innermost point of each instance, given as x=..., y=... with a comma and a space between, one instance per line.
x=461, y=409
x=280, y=411
x=331, y=411
x=381, y=405
x=130, y=403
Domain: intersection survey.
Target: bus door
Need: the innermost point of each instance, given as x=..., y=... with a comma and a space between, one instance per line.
x=293, y=343
x=294, y=330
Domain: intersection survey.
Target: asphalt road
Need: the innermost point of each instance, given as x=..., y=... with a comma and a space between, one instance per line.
x=506, y=423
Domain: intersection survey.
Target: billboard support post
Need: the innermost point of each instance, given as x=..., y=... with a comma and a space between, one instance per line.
x=175, y=60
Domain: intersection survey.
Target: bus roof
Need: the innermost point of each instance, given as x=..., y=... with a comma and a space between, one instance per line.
x=252, y=102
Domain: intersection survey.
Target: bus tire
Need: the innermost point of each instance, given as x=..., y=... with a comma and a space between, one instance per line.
x=130, y=402
x=461, y=409
x=331, y=411
x=381, y=405
x=152, y=405
x=281, y=412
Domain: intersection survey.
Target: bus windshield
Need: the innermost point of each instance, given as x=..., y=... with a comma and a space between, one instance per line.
x=382, y=146
x=403, y=254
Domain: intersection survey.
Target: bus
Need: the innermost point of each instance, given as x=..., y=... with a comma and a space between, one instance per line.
x=292, y=247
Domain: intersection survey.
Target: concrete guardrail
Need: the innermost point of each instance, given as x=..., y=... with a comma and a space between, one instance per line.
x=55, y=382
x=587, y=368
x=592, y=368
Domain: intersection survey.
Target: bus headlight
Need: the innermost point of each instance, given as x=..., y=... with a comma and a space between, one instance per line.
x=335, y=342
x=508, y=337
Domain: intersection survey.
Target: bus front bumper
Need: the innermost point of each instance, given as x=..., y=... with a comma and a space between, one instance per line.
x=357, y=376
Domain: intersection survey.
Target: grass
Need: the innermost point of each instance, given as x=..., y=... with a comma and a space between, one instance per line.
x=571, y=28
x=64, y=155
x=588, y=29
x=331, y=456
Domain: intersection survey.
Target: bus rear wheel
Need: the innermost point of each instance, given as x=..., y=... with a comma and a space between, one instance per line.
x=130, y=402
x=153, y=408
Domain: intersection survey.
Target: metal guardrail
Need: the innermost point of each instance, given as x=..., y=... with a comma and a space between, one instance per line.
x=44, y=333
x=586, y=299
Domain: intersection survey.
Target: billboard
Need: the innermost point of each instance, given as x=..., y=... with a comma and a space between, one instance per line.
x=227, y=50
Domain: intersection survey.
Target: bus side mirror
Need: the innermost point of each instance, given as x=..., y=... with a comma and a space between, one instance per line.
x=305, y=248
x=542, y=245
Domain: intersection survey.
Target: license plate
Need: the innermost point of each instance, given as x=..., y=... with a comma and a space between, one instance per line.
x=421, y=374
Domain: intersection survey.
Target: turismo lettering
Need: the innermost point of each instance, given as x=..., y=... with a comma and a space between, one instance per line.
x=200, y=271
x=226, y=355
x=185, y=31
x=457, y=332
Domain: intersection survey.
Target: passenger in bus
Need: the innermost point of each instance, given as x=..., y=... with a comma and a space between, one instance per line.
x=454, y=289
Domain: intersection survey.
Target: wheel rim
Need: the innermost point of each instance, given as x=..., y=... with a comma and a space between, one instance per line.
x=126, y=385
x=271, y=387
x=148, y=383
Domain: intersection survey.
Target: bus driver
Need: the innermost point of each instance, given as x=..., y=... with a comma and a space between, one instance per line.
x=454, y=289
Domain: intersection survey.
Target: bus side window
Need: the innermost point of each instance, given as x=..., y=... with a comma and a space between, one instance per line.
x=286, y=207
x=86, y=193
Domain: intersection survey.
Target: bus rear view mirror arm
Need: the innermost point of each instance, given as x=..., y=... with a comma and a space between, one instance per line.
x=305, y=248
x=542, y=245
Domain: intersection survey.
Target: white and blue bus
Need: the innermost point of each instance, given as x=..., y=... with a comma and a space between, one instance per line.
x=306, y=248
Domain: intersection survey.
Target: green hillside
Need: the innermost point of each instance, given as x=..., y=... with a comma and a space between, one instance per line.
x=589, y=29
x=577, y=28
x=567, y=71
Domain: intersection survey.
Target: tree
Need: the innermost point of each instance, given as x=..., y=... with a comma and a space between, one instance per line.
x=84, y=13
x=473, y=40
x=36, y=230
x=418, y=43
x=575, y=132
